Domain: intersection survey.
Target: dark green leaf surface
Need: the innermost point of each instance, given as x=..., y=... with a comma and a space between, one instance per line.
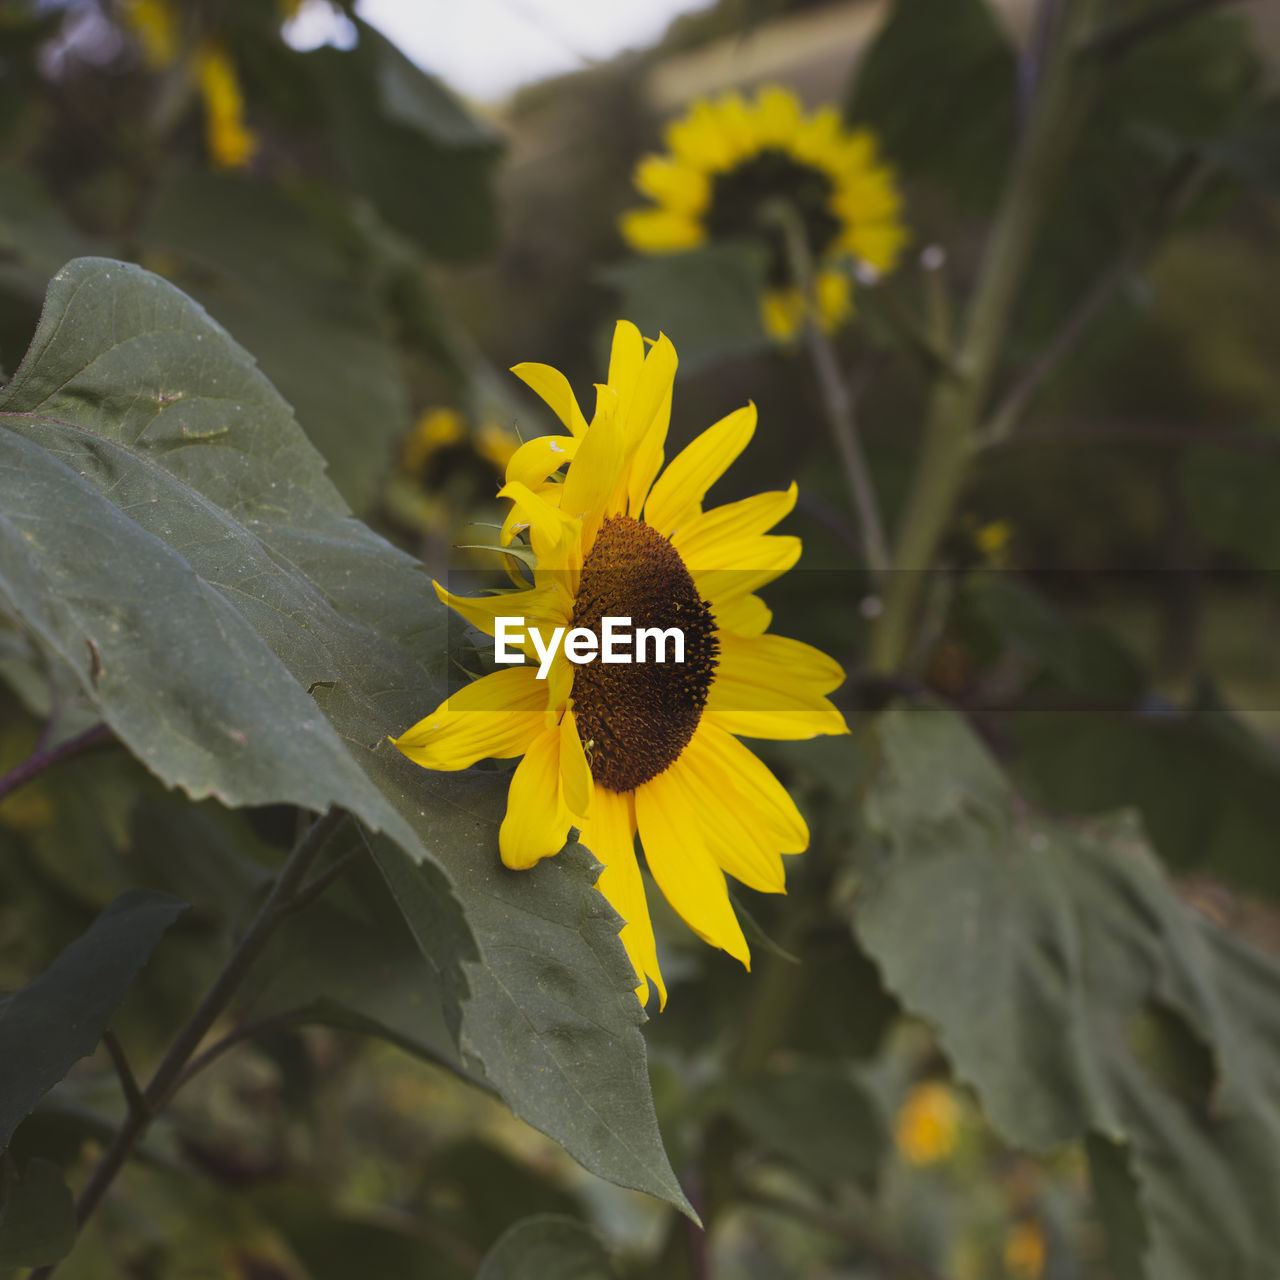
x=197, y=554
x=267, y=271
x=817, y=1117
x=411, y=148
x=228, y=580
x=57, y=1019
x=1039, y=953
x=37, y=1218
x=545, y=1246
x=960, y=131
x=707, y=301
x=553, y=1022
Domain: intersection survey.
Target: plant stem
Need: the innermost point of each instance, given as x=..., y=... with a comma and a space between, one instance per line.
x=170, y=1073
x=958, y=401
x=1186, y=179
x=836, y=399
x=41, y=760
x=128, y=1081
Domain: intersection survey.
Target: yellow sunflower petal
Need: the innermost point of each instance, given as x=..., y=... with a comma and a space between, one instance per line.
x=777, y=117
x=770, y=557
x=879, y=244
x=680, y=187
x=610, y=834
x=554, y=389
x=735, y=840
x=834, y=299
x=645, y=417
x=746, y=615
x=779, y=663
x=552, y=533
x=679, y=490
x=661, y=230
x=482, y=611
x=746, y=518
x=698, y=139
x=779, y=726
x=782, y=313
x=626, y=358
x=747, y=778
x=539, y=458
x=537, y=818
x=689, y=877
x=496, y=716
x=593, y=474
x=575, y=773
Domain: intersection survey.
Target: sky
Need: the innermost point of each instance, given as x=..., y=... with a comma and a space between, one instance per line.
x=487, y=48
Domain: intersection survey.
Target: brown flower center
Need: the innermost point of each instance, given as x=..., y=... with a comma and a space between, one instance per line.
x=636, y=718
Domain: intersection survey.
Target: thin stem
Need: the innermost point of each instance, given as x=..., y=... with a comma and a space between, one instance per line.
x=1182, y=185
x=1010, y=410
x=1122, y=37
x=866, y=1242
x=128, y=1081
x=41, y=760
x=836, y=399
x=958, y=402
x=335, y=871
x=169, y=1074
x=238, y=1035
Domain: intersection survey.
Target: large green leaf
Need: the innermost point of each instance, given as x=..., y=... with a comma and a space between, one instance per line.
x=161, y=513
x=410, y=147
x=547, y=1245
x=59, y=1017
x=553, y=1022
x=959, y=131
x=268, y=270
x=1077, y=993
x=707, y=301
x=814, y=1115
x=228, y=580
x=37, y=1218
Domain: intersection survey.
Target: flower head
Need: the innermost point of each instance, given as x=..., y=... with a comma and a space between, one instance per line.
x=638, y=747
x=928, y=1124
x=731, y=162
x=230, y=141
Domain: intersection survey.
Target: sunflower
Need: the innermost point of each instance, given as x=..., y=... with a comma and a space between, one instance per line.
x=730, y=162
x=616, y=749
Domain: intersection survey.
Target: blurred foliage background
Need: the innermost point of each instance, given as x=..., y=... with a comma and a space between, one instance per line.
x=1103, y=618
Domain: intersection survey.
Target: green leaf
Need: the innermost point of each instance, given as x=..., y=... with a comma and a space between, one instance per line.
x=553, y=1021
x=59, y=1017
x=1168, y=99
x=1039, y=953
x=1230, y=494
x=137, y=427
x=1115, y=1193
x=707, y=301
x=410, y=147
x=959, y=131
x=1207, y=788
x=269, y=271
x=350, y=961
x=547, y=1245
x=817, y=1117
x=229, y=581
x=37, y=1218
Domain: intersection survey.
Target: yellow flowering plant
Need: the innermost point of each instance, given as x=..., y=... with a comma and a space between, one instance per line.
x=464, y=826
x=738, y=168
